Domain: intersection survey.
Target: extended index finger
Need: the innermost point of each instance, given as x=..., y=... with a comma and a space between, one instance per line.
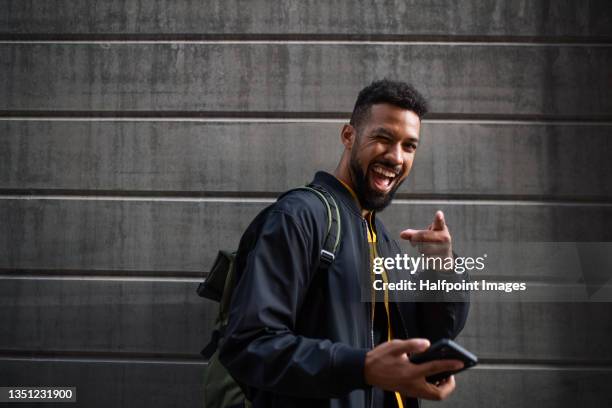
x=412, y=234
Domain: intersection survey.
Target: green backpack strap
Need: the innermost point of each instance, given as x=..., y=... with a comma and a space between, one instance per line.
x=332, y=237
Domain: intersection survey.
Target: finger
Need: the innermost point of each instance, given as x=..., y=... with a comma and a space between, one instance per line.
x=439, y=366
x=427, y=391
x=435, y=392
x=408, y=233
x=442, y=381
x=409, y=346
x=414, y=235
x=446, y=387
x=439, y=223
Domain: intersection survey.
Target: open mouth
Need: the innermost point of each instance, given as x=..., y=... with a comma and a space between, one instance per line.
x=382, y=178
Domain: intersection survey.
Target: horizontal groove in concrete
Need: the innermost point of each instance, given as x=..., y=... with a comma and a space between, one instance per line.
x=587, y=41
x=102, y=274
x=218, y=195
x=191, y=278
x=269, y=197
x=122, y=276
x=289, y=116
x=294, y=120
x=100, y=357
x=139, y=358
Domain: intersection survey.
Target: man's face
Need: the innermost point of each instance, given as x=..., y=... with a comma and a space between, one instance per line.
x=382, y=154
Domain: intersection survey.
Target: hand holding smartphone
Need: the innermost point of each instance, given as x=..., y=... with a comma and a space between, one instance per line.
x=445, y=349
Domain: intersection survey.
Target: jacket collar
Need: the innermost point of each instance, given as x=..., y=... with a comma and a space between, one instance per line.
x=334, y=186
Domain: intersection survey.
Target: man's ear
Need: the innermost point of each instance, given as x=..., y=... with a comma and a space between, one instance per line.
x=348, y=136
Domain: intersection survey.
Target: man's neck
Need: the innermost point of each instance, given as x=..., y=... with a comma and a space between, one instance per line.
x=348, y=184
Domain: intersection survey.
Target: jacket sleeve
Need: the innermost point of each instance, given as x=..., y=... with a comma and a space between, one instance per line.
x=440, y=316
x=439, y=320
x=445, y=318
x=260, y=348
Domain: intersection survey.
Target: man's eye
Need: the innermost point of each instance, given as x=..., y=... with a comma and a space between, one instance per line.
x=411, y=147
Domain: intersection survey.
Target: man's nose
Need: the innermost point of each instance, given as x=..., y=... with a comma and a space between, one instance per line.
x=395, y=155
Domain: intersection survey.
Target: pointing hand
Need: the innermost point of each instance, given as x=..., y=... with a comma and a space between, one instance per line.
x=435, y=241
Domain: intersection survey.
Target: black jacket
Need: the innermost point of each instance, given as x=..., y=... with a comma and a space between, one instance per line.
x=298, y=338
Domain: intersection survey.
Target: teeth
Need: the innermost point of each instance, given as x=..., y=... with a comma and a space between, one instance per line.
x=384, y=172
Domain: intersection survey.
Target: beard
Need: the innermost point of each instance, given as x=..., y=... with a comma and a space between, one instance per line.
x=369, y=198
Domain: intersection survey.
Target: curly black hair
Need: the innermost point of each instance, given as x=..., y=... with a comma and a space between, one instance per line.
x=396, y=93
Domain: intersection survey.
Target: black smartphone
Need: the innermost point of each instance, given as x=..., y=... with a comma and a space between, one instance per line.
x=445, y=349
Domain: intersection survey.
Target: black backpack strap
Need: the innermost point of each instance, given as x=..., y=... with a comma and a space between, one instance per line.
x=332, y=237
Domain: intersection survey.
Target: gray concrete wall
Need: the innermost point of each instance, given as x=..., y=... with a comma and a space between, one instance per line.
x=131, y=131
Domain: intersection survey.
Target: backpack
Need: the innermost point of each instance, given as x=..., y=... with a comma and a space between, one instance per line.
x=220, y=389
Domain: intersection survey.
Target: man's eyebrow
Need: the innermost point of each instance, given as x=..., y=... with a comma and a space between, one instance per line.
x=382, y=130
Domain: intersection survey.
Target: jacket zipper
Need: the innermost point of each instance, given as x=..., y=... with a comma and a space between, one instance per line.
x=403, y=325
x=371, y=317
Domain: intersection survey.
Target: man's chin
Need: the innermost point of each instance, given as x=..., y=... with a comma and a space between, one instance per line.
x=381, y=191
x=377, y=201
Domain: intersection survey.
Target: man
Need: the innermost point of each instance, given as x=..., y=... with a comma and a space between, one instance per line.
x=298, y=338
